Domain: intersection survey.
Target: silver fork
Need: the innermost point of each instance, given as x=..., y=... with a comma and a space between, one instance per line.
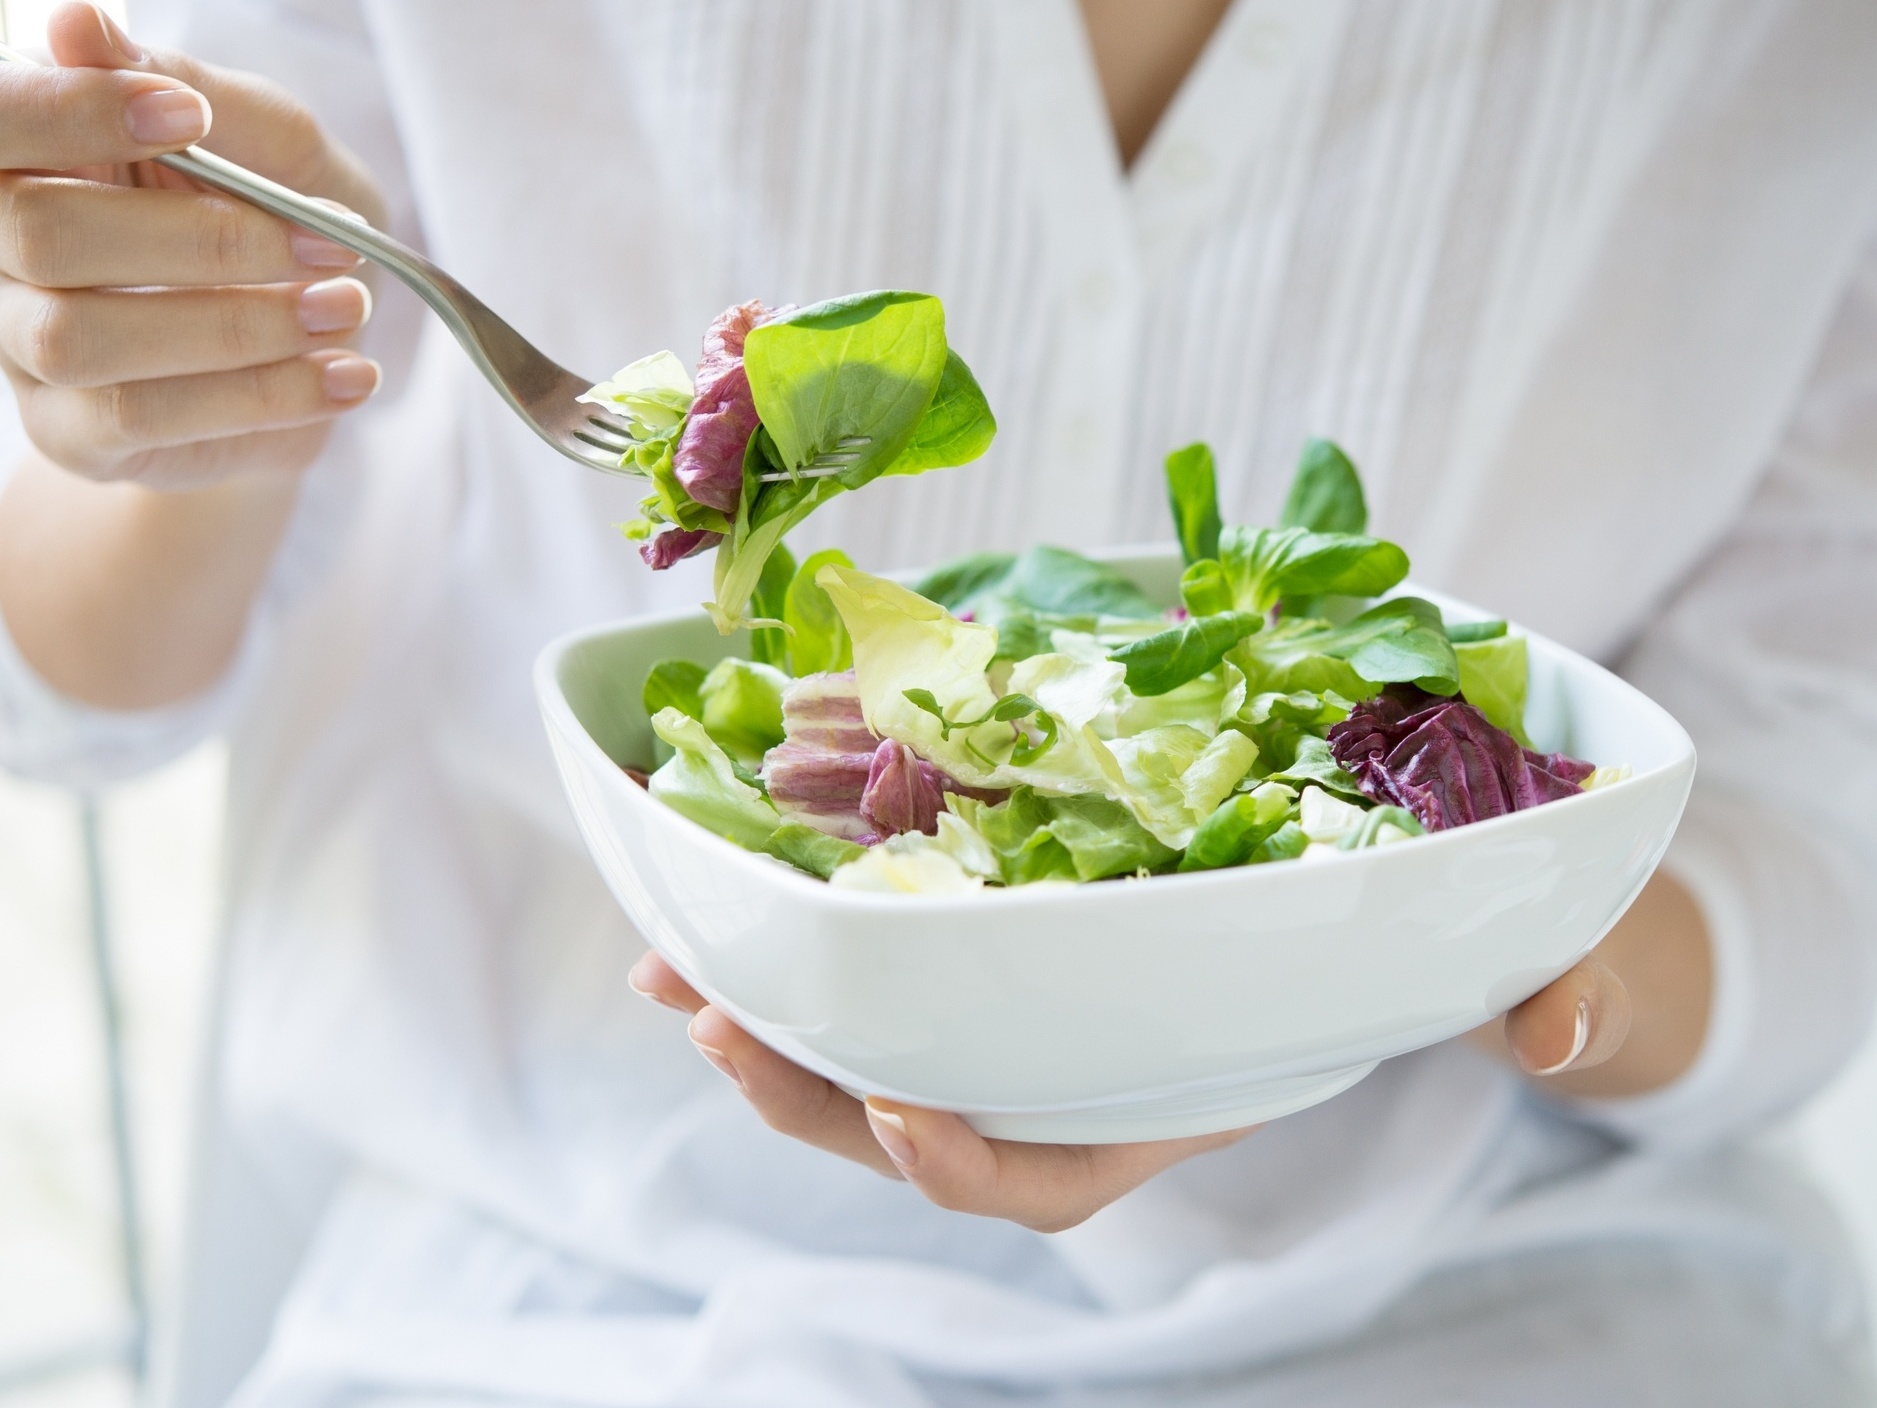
x=539, y=390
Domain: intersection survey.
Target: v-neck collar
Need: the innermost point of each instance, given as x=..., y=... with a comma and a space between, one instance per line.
x=1100, y=215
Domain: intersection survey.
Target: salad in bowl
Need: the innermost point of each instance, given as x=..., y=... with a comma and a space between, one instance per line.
x=919, y=836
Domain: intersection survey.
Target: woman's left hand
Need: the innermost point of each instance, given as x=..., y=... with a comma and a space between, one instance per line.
x=1046, y=1187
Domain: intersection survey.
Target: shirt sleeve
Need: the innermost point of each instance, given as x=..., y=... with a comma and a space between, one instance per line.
x=325, y=59
x=1768, y=656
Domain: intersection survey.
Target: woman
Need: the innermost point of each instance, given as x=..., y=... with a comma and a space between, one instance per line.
x=1587, y=291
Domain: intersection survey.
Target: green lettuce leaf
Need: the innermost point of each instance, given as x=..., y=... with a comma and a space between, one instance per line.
x=1082, y=838
x=1286, y=843
x=808, y=849
x=742, y=702
x=699, y=782
x=1169, y=659
x=769, y=644
x=1237, y=827
x=1494, y=677
x=956, y=428
x=818, y=641
x=851, y=375
x=848, y=382
x=674, y=684
x=1193, y=492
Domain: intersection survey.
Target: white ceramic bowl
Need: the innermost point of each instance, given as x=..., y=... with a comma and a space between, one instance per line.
x=1123, y=1010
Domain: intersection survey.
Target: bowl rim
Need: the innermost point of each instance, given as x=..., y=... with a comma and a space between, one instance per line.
x=560, y=717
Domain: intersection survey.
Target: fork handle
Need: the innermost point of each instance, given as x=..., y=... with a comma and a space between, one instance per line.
x=468, y=318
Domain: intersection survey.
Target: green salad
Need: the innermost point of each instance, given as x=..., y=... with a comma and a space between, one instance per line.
x=1015, y=719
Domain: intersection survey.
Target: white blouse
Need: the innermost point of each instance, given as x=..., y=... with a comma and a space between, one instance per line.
x=1587, y=290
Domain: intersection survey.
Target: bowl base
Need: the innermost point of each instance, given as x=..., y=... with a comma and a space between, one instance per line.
x=1169, y=1116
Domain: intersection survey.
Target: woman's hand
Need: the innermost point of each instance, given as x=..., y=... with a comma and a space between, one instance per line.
x=152, y=330
x=1628, y=1019
x=178, y=356
x=1047, y=1187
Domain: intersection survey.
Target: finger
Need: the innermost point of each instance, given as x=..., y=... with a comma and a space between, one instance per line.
x=791, y=1100
x=1046, y=1187
x=60, y=233
x=652, y=977
x=257, y=123
x=1579, y=1021
x=103, y=431
x=59, y=118
x=95, y=337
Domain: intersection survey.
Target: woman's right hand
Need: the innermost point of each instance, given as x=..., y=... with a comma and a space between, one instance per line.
x=153, y=331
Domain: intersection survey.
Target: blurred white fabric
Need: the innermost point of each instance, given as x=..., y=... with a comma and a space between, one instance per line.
x=1561, y=278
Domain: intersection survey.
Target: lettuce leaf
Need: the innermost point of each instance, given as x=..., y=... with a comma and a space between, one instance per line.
x=1193, y=493
x=742, y=708
x=1398, y=640
x=1171, y=658
x=1494, y=676
x=808, y=849
x=1265, y=565
x=1232, y=833
x=700, y=783
x=674, y=684
x=818, y=641
x=1035, y=837
x=1326, y=494
x=844, y=390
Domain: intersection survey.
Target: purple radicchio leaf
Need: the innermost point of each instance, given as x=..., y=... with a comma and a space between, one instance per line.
x=1442, y=760
x=709, y=459
x=906, y=793
x=818, y=774
x=676, y=544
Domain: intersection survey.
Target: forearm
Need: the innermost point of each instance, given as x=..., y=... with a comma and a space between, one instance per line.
x=124, y=597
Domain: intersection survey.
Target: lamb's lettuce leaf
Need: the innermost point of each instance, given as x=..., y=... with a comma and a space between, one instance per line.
x=1396, y=640
x=955, y=584
x=699, y=782
x=1172, y=657
x=1193, y=493
x=1326, y=494
x=1312, y=765
x=1265, y=565
x=1380, y=827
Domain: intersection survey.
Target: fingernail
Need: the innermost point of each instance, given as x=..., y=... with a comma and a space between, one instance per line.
x=1580, y=1037
x=337, y=305
x=318, y=252
x=117, y=39
x=632, y=981
x=719, y=1060
x=890, y=1130
x=167, y=117
x=350, y=378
